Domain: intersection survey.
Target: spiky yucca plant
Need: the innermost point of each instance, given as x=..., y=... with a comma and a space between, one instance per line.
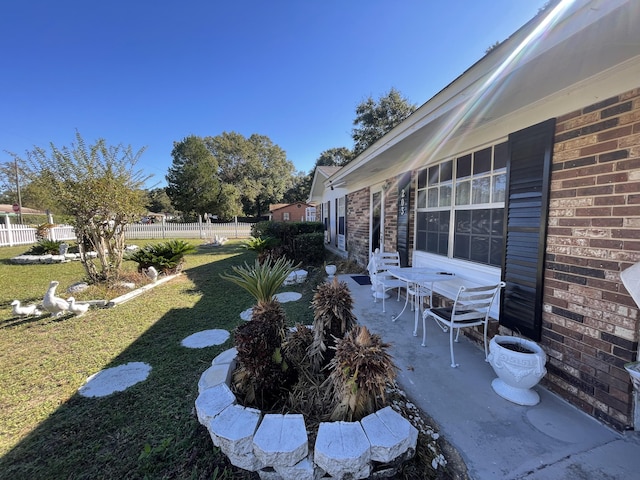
x=332, y=317
x=263, y=246
x=262, y=280
x=360, y=372
x=262, y=370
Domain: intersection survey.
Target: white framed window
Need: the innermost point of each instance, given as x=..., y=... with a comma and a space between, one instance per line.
x=285, y=216
x=460, y=206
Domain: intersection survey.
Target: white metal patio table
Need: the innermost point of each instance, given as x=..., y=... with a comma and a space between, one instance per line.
x=418, y=279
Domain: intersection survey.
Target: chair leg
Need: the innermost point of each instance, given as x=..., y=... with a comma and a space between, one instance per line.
x=486, y=354
x=453, y=360
x=384, y=294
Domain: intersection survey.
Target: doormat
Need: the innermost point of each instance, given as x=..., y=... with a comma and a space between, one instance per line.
x=362, y=279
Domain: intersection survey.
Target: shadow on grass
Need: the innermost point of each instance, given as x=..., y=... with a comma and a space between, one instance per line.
x=149, y=430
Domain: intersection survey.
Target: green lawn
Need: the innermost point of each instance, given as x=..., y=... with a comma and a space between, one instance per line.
x=49, y=431
x=150, y=430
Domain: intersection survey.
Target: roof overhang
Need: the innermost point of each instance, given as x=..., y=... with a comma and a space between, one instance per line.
x=547, y=68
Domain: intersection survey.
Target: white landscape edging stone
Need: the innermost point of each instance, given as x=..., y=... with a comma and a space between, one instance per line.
x=276, y=446
x=128, y=296
x=343, y=450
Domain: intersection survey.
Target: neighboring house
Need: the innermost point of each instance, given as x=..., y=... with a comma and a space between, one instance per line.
x=292, y=212
x=525, y=168
x=6, y=209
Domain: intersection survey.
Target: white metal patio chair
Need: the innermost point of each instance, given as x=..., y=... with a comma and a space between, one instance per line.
x=470, y=308
x=385, y=281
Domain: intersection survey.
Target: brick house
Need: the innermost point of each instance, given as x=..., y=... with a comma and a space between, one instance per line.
x=525, y=168
x=292, y=212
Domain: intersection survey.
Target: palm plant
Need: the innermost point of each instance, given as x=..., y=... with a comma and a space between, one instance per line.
x=263, y=246
x=332, y=318
x=360, y=372
x=262, y=280
x=166, y=257
x=262, y=369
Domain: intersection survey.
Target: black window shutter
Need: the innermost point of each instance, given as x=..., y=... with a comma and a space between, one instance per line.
x=526, y=211
x=346, y=216
x=404, y=194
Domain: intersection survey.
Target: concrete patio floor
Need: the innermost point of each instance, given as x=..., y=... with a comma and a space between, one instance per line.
x=495, y=438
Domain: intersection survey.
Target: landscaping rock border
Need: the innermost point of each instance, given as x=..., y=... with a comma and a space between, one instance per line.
x=33, y=259
x=276, y=446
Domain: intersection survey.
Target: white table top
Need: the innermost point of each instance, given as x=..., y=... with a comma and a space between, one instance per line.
x=420, y=274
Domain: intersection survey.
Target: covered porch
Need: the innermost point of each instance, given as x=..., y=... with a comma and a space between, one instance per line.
x=496, y=439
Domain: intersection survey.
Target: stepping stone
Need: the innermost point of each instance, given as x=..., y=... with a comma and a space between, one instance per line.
x=206, y=338
x=246, y=315
x=115, y=379
x=301, y=276
x=285, y=297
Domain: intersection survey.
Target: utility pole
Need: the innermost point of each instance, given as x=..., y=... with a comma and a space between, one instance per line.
x=18, y=189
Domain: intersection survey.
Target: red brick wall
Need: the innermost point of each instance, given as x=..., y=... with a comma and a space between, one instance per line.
x=590, y=323
x=358, y=206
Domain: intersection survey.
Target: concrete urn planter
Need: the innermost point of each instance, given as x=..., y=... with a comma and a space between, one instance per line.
x=331, y=270
x=520, y=365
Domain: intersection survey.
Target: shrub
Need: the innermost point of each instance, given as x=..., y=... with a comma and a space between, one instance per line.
x=262, y=280
x=361, y=369
x=291, y=244
x=166, y=257
x=42, y=230
x=45, y=247
x=263, y=229
x=332, y=318
x=263, y=371
x=309, y=247
x=263, y=246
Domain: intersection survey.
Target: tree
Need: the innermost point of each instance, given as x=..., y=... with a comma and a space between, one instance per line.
x=194, y=183
x=299, y=191
x=257, y=167
x=158, y=201
x=374, y=119
x=8, y=184
x=492, y=47
x=98, y=186
x=337, y=157
x=35, y=188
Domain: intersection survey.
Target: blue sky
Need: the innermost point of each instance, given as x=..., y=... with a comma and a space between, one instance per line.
x=151, y=72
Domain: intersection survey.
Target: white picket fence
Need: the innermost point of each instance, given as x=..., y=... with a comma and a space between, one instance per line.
x=11, y=235
x=188, y=230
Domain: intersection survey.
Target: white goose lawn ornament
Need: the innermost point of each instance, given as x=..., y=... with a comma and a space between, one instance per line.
x=152, y=273
x=26, y=311
x=78, y=309
x=56, y=306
